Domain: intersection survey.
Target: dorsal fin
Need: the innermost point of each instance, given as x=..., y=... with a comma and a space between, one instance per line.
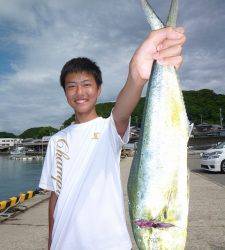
x=172, y=17
x=152, y=18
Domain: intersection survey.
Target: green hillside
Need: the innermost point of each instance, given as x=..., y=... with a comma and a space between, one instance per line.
x=7, y=135
x=204, y=103
x=38, y=132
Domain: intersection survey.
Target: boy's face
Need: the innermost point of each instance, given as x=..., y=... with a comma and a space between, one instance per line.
x=81, y=92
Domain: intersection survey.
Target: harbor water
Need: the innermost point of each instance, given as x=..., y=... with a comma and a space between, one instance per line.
x=17, y=176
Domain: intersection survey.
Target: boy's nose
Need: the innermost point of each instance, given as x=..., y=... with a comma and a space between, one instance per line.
x=79, y=89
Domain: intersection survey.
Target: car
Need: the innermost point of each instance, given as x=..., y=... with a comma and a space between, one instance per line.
x=213, y=159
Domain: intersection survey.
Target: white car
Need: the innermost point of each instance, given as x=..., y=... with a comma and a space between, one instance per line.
x=213, y=159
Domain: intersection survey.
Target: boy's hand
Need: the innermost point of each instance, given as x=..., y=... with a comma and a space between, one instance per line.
x=164, y=45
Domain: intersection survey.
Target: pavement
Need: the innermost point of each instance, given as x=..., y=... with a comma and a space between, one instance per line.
x=206, y=228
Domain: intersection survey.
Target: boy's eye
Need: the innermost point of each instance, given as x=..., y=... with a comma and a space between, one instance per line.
x=74, y=85
x=71, y=86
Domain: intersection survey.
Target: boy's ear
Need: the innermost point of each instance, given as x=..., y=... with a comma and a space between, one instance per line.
x=99, y=90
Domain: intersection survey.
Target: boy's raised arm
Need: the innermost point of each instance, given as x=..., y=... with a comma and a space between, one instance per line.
x=165, y=46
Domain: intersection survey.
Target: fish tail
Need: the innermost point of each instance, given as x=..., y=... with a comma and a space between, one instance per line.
x=152, y=18
x=172, y=17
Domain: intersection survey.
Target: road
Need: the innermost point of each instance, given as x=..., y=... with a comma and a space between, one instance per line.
x=206, y=227
x=194, y=166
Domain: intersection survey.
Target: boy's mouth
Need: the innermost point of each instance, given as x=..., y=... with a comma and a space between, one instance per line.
x=80, y=101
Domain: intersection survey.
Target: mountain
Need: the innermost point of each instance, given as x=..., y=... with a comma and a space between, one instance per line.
x=38, y=132
x=7, y=135
x=201, y=105
x=204, y=104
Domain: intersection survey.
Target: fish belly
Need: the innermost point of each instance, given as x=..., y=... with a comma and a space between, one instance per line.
x=157, y=184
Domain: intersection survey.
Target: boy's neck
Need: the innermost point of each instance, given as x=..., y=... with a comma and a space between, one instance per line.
x=81, y=118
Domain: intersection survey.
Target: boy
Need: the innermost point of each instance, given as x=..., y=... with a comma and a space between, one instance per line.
x=81, y=167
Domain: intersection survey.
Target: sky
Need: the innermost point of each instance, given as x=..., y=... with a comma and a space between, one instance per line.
x=38, y=37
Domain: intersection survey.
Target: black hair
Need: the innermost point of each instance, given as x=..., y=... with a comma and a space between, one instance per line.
x=81, y=64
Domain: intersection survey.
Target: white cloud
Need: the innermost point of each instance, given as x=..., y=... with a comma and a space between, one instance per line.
x=48, y=33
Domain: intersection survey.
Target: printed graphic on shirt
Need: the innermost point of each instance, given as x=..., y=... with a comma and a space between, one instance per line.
x=96, y=135
x=61, y=154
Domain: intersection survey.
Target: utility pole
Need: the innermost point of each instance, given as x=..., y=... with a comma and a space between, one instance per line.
x=221, y=118
x=201, y=119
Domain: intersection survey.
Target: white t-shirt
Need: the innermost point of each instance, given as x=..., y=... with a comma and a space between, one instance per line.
x=82, y=166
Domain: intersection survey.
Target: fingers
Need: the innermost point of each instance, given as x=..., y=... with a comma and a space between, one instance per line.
x=158, y=36
x=175, y=61
x=170, y=49
x=177, y=66
x=170, y=43
x=169, y=52
x=174, y=33
x=179, y=29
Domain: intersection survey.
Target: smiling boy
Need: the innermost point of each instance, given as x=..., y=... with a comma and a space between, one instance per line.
x=81, y=167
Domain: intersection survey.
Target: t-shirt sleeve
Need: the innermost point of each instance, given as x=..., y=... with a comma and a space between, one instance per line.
x=117, y=141
x=46, y=181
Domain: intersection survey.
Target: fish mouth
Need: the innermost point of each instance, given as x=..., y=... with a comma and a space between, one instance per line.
x=152, y=224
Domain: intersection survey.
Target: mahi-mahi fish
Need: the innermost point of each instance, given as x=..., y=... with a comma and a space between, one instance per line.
x=158, y=180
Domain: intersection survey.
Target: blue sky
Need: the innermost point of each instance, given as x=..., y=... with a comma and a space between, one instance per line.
x=38, y=37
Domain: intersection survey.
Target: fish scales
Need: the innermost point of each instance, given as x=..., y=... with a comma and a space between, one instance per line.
x=157, y=184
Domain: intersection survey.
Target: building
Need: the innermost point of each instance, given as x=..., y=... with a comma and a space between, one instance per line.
x=46, y=138
x=205, y=127
x=9, y=142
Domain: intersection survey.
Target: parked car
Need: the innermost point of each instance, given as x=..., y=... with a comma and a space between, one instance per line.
x=213, y=159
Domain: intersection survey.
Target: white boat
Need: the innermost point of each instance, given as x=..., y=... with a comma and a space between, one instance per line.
x=18, y=151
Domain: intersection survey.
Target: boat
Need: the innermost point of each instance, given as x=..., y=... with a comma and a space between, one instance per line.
x=18, y=151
